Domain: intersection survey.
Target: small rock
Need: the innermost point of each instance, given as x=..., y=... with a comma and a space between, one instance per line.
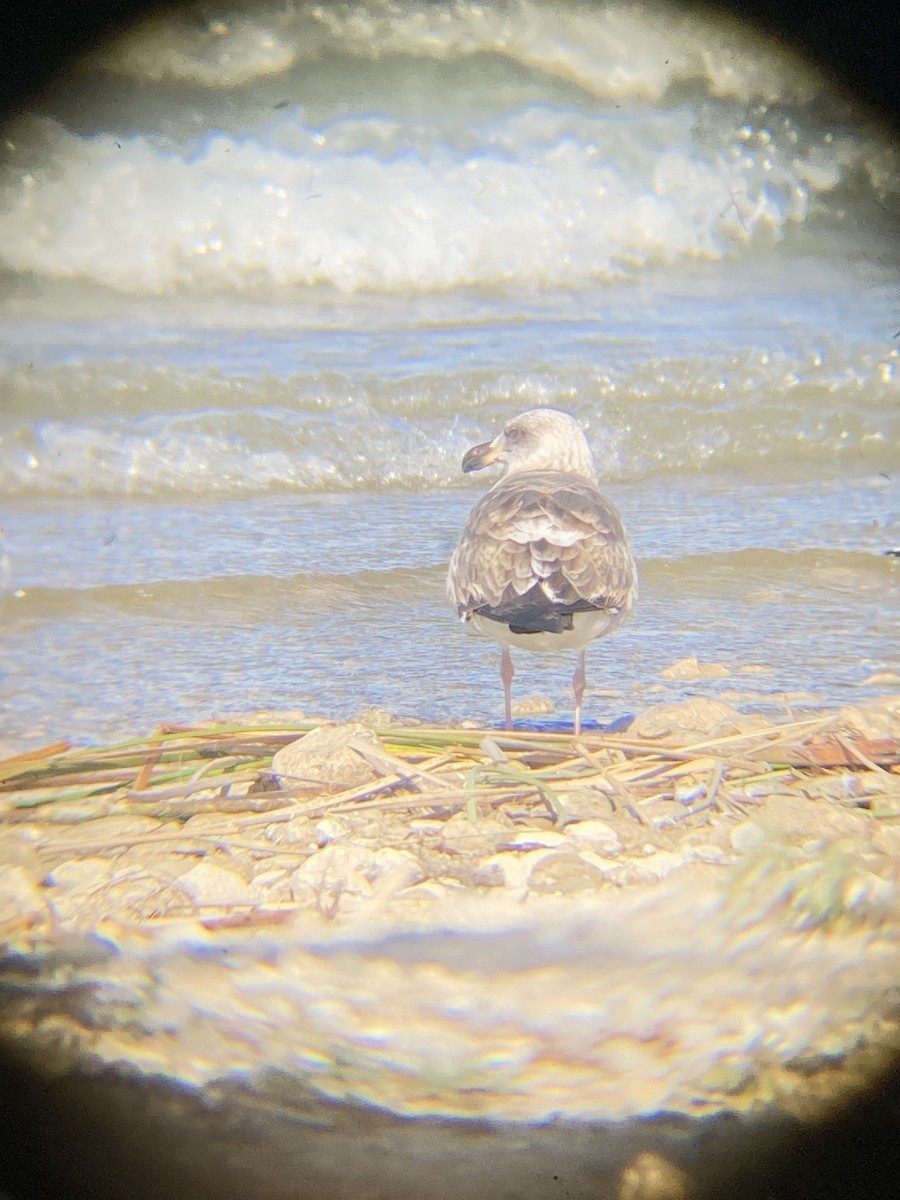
x=297, y=831
x=462, y=836
x=690, y=668
x=653, y=867
x=703, y=852
x=881, y=678
x=877, y=720
x=80, y=873
x=208, y=884
x=331, y=829
x=800, y=819
x=695, y=720
x=507, y=870
x=358, y=870
x=581, y=804
x=607, y=866
x=325, y=755
x=599, y=835
x=565, y=873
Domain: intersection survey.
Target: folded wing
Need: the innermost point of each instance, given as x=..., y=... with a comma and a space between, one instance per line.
x=538, y=548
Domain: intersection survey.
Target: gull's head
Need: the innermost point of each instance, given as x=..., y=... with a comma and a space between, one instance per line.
x=544, y=439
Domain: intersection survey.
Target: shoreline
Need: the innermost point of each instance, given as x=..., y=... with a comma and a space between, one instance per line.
x=759, y=842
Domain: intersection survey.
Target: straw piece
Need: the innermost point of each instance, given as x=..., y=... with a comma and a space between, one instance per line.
x=425, y=768
x=387, y=764
x=857, y=753
x=718, y=774
x=14, y=765
x=195, y=785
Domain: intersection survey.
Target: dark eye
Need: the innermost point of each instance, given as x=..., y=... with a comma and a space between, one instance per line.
x=513, y=434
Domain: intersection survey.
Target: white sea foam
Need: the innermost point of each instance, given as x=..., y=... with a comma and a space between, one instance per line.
x=664, y=149
x=540, y=198
x=614, y=50
x=266, y=264
x=191, y=46
x=765, y=414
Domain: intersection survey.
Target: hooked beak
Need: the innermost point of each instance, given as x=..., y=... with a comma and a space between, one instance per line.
x=483, y=455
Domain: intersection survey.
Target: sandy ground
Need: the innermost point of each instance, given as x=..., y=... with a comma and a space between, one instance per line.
x=698, y=916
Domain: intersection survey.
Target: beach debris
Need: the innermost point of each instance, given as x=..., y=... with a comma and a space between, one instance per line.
x=380, y=813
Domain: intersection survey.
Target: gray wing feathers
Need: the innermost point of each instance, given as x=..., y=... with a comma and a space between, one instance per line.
x=542, y=527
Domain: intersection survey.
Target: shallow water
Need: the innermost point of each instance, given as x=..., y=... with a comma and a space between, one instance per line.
x=267, y=279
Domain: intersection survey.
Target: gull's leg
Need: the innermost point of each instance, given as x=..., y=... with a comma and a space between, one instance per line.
x=578, y=681
x=506, y=674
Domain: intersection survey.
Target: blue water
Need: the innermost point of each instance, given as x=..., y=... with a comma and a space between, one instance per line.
x=262, y=289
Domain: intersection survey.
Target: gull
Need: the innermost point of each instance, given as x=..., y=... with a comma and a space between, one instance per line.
x=544, y=561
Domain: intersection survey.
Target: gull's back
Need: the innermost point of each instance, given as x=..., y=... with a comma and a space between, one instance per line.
x=543, y=563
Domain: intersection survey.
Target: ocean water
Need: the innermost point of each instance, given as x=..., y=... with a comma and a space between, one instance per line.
x=266, y=276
